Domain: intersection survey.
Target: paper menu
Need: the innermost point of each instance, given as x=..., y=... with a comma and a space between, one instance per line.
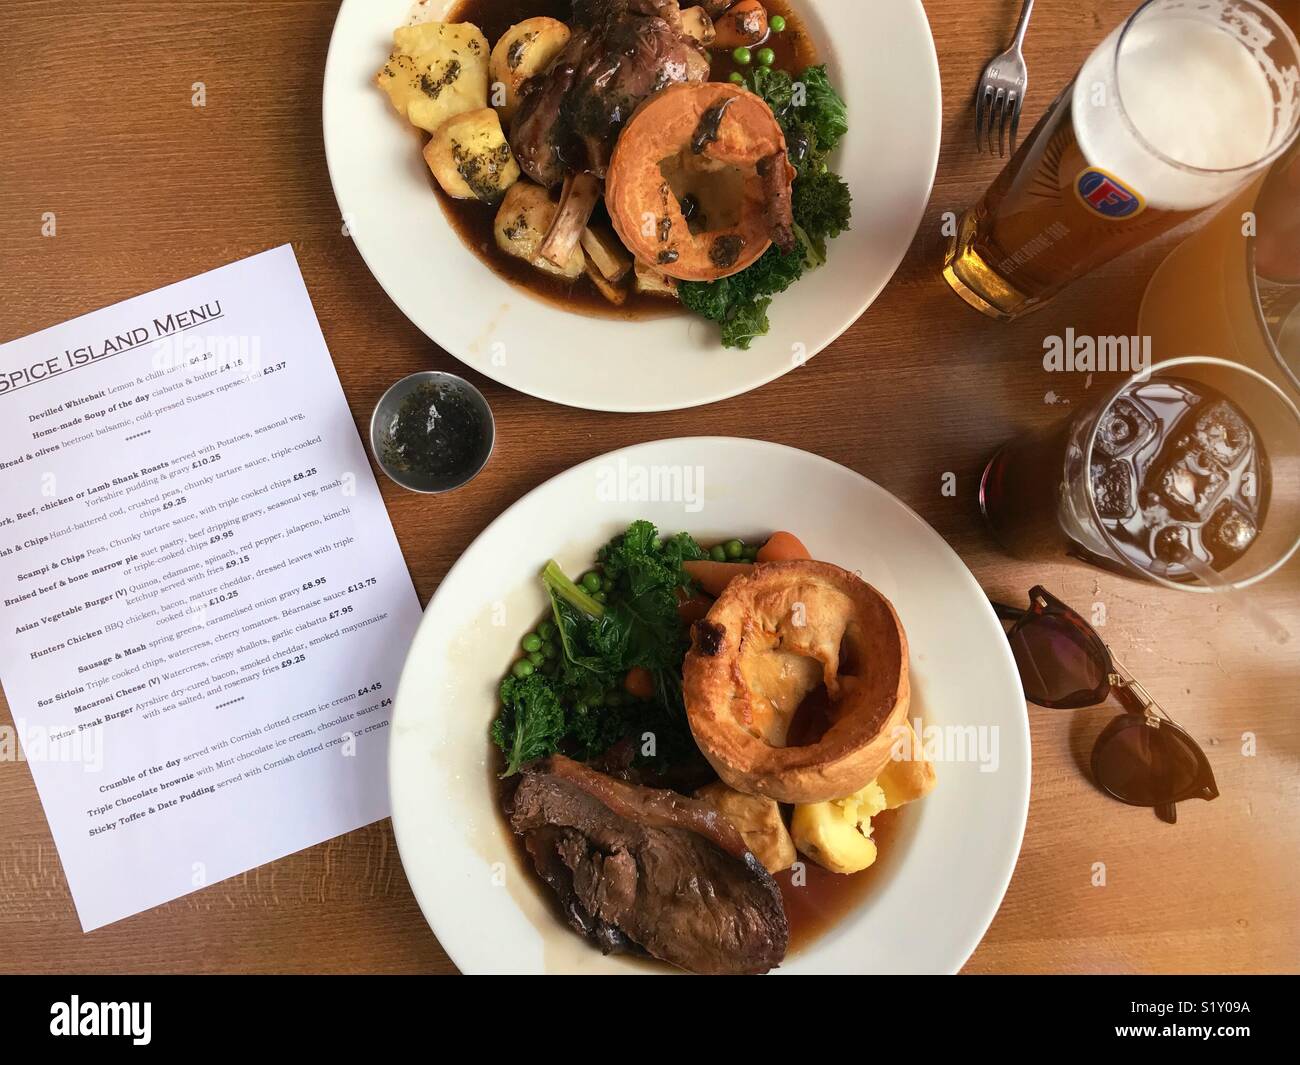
x=203, y=607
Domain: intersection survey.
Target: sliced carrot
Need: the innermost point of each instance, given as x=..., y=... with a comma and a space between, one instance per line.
x=638, y=682
x=783, y=547
x=714, y=577
x=694, y=609
x=743, y=23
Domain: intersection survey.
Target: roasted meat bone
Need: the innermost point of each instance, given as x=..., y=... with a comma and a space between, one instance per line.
x=639, y=870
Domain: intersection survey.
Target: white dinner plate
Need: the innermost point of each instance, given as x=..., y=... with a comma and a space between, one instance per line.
x=881, y=57
x=954, y=851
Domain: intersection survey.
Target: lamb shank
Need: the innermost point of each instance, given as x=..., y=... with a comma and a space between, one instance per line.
x=621, y=52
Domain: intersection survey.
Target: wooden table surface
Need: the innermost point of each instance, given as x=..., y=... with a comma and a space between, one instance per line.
x=98, y=127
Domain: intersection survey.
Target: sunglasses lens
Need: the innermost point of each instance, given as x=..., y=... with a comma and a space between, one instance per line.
x=1061, y=664
x=1145, y=765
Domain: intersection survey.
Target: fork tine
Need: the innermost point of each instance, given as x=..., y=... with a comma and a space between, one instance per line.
x=1007, y=110
x=1015, y=119
x=982, y=95
x=999, y=103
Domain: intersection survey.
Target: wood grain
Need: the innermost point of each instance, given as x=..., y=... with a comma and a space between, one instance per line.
x=98, y=127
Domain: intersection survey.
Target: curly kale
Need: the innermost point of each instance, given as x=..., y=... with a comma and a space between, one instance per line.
x=531, y=723
x=739, y=303
x=576, y=700
x=823, y=209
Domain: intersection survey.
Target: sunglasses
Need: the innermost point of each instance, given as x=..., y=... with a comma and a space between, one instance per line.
x=1142, y=757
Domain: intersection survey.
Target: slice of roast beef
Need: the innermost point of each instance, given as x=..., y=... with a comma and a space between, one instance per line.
x=639, y=869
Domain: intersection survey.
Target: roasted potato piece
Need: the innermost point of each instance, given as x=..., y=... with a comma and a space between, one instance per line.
x=697, y=24
x=525, y=51
x=522, y=221
x=837, y=834
x=758, y=820
x=650, y=282
x=744, y=23
x=908, y=775
x=437, y=70
x=470, y=157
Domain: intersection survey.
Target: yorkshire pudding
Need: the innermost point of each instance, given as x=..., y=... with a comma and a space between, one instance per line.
x=772, y=640
x=699, y=184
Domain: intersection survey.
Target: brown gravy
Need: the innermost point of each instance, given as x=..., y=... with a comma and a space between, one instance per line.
x=473, y=220
x=827, y=898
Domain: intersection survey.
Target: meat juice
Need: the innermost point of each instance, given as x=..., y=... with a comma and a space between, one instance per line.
x=1176, y=469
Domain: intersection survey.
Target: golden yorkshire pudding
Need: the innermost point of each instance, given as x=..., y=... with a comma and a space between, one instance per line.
x=796, y=681
x=699, y=184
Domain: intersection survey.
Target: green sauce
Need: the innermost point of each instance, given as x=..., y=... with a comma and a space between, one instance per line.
x=436, y=432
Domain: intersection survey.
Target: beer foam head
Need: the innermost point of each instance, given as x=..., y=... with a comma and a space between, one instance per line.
x=1188, y=99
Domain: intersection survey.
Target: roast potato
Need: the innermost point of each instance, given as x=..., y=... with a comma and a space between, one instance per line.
x=437, y=70
x=524, y=51
x=522, y=222
x=758, y=820
x=470, y=157
x=837, y=835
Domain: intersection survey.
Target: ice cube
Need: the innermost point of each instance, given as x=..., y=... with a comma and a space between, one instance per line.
x=1172, y=543
x=1191, y=483
x=1124, y=427
x=1229, y=532
x=1221, y=430
x=1112, y=489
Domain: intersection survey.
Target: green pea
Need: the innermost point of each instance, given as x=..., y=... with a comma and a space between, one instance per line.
x=606, y=584
x=531, y=642
x=600, y=597
x=751, y=553
x=734, y=549
x=546, y=630
x=549, y=649
x=591, y=582
x=522, y=668
x=736, y=78
x=718, y=553
x=766, y=56
x=776, y=23
x=743, y=56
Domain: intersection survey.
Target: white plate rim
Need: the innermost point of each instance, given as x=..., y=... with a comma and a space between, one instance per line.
x=448, y=934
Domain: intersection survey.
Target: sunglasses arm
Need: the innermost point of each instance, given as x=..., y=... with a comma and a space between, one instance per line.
x=1006, y=613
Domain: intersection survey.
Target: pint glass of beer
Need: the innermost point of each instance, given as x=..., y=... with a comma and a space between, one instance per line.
x=1173, y=112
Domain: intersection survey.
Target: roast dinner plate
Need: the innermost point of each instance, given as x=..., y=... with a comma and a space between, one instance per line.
x=942, y=872
x=881, y=57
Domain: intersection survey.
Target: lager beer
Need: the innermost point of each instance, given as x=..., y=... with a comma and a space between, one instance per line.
x=1173, y=112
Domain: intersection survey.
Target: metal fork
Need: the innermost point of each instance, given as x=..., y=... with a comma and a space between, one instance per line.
x=1001, y=91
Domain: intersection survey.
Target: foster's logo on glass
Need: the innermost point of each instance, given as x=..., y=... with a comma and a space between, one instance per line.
x=1106, y=195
